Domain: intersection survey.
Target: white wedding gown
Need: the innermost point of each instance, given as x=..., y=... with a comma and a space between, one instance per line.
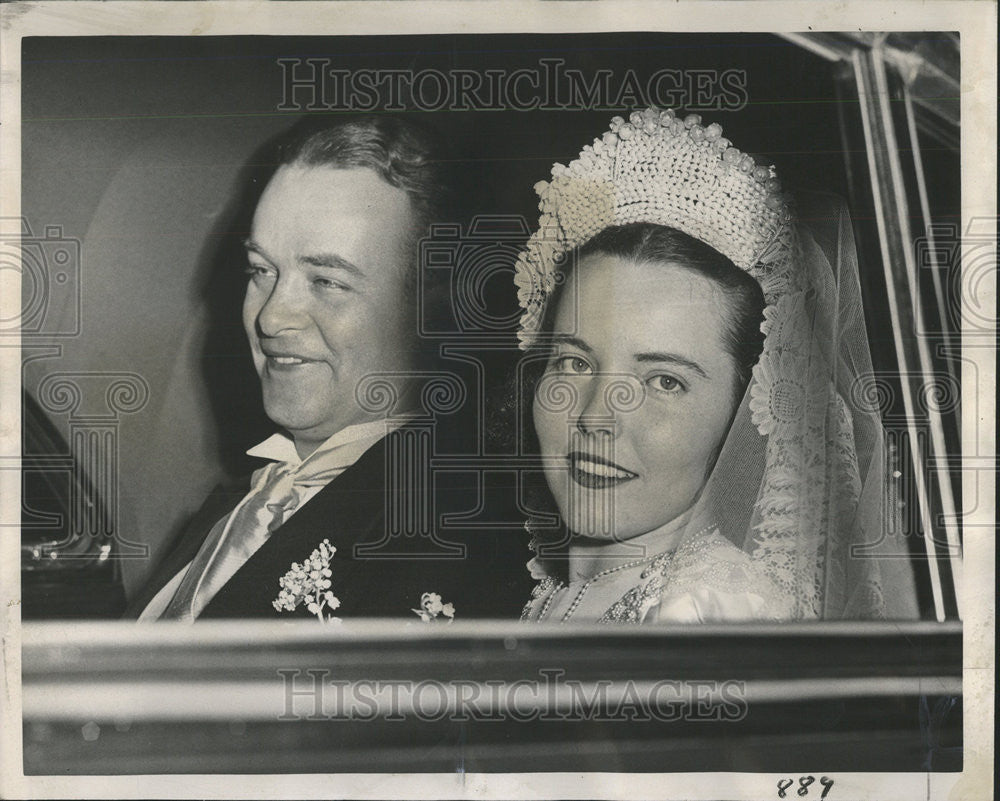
x=704, y=580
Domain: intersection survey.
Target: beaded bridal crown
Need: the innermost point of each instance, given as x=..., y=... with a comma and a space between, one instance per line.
x=657, y=168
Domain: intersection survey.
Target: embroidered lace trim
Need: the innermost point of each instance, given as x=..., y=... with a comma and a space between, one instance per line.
x=705, y=564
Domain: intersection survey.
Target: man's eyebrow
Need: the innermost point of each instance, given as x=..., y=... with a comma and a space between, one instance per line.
x=670, y=358
x=576, y=342
x=253, y=247
x=333, y=261
x=330, y=260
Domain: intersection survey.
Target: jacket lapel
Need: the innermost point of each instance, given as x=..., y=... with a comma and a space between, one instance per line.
x=484, y=576
x=220, y=502
x=344, y=511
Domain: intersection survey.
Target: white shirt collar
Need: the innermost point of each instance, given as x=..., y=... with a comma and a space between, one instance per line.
x=279, y=447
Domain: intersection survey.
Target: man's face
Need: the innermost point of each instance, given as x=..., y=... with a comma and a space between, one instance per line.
x=326, y=303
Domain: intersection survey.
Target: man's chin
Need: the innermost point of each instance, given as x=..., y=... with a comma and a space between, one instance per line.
x=291, y=418
x=305, y=427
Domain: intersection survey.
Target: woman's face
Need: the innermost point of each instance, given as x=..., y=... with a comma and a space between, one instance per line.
x=636, y=397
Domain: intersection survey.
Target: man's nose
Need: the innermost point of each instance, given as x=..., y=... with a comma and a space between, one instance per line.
x=283, y=309
x=604, y=402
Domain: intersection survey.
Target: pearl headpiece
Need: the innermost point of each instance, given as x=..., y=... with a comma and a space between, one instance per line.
x=657, y=168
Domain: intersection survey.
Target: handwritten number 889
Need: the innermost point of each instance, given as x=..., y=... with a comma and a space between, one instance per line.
x=804, y=782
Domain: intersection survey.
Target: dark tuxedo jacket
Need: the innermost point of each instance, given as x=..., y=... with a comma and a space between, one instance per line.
x=479, y=570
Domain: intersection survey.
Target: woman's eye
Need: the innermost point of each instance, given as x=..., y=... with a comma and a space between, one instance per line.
x=666, y=383
x=572, y=364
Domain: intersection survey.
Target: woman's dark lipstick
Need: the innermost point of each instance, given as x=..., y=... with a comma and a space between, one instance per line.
x=596, y=472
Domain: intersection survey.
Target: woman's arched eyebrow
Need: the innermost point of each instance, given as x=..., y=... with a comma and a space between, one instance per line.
x=568, y=339
x=670, y=358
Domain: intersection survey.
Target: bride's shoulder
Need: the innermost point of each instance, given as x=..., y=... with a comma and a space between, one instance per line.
x=711, y=580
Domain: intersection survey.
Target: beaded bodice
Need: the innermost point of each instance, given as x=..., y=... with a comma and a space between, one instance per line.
x=706, y=579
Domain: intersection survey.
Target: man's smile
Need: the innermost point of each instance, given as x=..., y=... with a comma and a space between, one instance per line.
x=288, y=360
x=283, y=358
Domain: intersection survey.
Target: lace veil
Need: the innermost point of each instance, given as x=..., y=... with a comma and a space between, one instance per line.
x=801, y=481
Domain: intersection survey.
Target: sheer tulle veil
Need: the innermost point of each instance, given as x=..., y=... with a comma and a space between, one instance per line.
x=801, y=479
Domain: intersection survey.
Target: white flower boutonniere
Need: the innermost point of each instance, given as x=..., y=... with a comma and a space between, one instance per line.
x=431, y=607
x=309, y=583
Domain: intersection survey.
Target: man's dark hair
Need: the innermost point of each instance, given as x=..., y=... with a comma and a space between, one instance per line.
x=401, y=152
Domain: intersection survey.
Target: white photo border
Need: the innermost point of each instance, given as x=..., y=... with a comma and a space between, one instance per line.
x=976, y=23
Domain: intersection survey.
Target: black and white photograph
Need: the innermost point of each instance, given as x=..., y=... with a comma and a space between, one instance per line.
x=498, y=400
